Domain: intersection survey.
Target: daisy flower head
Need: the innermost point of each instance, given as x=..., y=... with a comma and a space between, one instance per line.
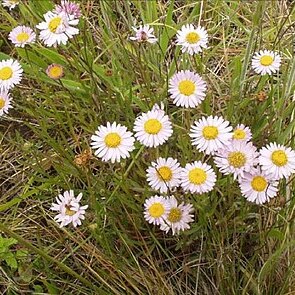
x=198, y=177
x=187, y=89
x=22, y=35
x=69, y=8
x=258, y=187
x=242, y=133
x=112, y=142
x=277, y=160
x=10, y=73
x=237, y=158
x=192, y=39
x=69, y=209
x=5, y=102
x=210, y=134
x=144, y=34
x=266, y=62
x=57, y=28
x=156, y=209
x=178, y=217
x=10, y=3
x=152, y=128
x=55, y=71
x=164, y=174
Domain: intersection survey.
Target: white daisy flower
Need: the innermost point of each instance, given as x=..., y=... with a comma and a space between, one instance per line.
x=10, y=73
x=156, y=209
x=187, y=89
x=57, y=28
x=198, y=177
x=237, y=158
x=192, y=39
x=178, y=217
x=112, y=142
x=153, y=128
x=69, y=209
x=5, y=102
x=258, y=187
x=144, y=34
x=266, y=62
x=10, y=3
x=210, y=134
x=277, y=160
x=22, y=35
x=164, y=174
x=242, y=133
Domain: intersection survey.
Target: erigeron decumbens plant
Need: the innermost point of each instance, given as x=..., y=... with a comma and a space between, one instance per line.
x=257, y=172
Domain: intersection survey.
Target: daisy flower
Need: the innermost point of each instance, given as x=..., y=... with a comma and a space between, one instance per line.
x=22, y=35
x=210, y=134
x=152, y=128
x=187, y=89
x=5, y=102
x=112, y=142
x=10, y=73
x=57, y=28
x=266, y=62
x=178, y=217
x=277, y=160
x=55, y=71
x=164, y=174
x=192, y=39
x=70, y=8
x=10, y=3
x=258, y=187
x=237, y=158
x=242, y=133
x=144, y=34
x=69, y=209
x=198, y=177
x=156, y=209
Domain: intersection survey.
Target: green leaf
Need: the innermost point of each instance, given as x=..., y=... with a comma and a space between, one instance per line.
x=10, y=260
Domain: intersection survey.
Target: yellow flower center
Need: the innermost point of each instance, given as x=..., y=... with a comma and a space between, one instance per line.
x=156, y=210
x=112, y=140
x=54, y=23
x=2, y=103
x=279, y=158
x=174, y=215
x=164, y=173
x=6, y=73
x=239, y=134
x=69, y=211
x=197, y=176
x=192, y=38
x=266, y=60
x=210, y=132
x=55, y=71
x=186, y=87
x=22, y=37
x=259, y=183
x=152, y=126
x=237, y=159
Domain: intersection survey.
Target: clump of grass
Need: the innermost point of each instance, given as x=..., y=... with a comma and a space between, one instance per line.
x=234, y=247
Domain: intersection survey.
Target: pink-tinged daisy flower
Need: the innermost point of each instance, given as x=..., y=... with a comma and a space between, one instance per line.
x=210, y=134
x=178, y=218
x=21, y=36
x=187, y=89
x=144, y=34
x=258, y=187
x=192, y=39
x=266, y=62
x=277, y=160
x=69, y=209
x=5, y=102
x=242, y=133
x=237, y=158
x=69, y=8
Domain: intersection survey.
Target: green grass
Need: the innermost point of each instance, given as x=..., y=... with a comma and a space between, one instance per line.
x=233, y=247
